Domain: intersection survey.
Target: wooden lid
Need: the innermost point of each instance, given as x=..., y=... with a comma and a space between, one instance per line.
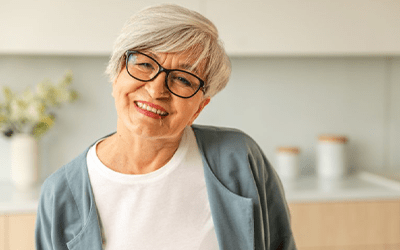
x=293, y=150
x=333, y=138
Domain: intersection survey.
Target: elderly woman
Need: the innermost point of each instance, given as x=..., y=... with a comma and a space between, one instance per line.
x=160, y=182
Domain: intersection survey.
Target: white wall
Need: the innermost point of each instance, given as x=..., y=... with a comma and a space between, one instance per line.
x=278, y=101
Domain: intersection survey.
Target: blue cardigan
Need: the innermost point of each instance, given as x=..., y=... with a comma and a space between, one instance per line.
x=246, y=197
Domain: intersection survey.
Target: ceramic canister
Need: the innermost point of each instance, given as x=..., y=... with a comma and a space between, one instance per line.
x=288, y=162
x=331, y=156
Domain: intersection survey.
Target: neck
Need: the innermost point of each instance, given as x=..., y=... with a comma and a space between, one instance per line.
x=132, y=154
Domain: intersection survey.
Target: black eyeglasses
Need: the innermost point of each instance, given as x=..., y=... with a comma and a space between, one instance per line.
x=179, y=82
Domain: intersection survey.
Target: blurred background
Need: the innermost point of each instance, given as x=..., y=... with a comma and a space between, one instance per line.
x=299, y=69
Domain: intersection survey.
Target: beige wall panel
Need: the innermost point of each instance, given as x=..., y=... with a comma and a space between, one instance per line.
x=3, y=232
x=22, y=232
x=346, y=224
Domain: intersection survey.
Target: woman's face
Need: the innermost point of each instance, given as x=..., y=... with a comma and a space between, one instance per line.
x=175, y=113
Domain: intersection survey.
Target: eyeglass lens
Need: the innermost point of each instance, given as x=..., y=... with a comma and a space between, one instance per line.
x=145, y=68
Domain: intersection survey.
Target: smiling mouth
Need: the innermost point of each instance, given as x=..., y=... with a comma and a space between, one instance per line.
x=146, y=107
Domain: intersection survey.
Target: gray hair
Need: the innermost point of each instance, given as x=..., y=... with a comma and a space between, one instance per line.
x=172, y=28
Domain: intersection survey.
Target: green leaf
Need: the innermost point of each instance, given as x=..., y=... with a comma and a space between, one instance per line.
x=40, y=129
x=67, y=79
x=73, y=96
x=51, y=98
x=8, y=94
x=3, y=119
x=43, y=126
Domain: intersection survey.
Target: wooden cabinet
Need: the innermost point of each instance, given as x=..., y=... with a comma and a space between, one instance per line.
x=353, y=225
x=2, y=233
x=17, y=232
x=346, y=225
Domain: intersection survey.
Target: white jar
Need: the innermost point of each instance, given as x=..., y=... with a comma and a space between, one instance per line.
x=288, y=162
x=331, y=157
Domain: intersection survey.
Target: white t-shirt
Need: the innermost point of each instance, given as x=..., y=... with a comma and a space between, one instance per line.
x=167, y=209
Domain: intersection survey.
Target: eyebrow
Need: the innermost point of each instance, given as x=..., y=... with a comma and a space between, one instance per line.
x=187, y=67
x=153, y=55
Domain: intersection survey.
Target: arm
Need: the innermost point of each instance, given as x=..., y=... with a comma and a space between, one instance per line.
x=281, y=236
x=275, y=211
x=44, y=220
x=53, y=228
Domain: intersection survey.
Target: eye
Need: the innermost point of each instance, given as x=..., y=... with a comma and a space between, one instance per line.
x=145, y=65
x=184, y=81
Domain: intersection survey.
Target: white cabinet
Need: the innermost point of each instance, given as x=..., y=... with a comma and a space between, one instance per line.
x=249, y=28
x=67, y=27
x=291, y=27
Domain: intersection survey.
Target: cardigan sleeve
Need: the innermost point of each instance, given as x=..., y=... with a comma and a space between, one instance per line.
x=275, y=210
x=246, y=172
x=44, y=219
x=281, y=236
x=57, y=219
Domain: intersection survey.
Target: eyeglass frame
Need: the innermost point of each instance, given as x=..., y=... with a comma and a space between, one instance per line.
x=162, y=69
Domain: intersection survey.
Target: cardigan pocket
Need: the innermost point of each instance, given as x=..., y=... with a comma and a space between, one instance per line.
x=89, y=238
x=233, y=215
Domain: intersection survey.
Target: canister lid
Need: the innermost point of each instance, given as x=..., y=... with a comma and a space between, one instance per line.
x=293, y=150
x=333, y=138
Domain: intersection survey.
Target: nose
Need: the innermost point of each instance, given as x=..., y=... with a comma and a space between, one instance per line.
x=156, y=87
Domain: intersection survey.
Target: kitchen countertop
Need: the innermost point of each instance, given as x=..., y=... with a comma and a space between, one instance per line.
x=358, y=187
x=392, y=175
x=362, y=186
x=13, y=201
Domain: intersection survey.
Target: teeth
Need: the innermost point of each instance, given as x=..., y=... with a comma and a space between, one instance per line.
x=151, y=109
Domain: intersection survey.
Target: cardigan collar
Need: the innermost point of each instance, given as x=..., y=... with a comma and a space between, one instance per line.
x=232, y=214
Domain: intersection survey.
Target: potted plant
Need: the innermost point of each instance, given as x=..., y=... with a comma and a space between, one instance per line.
x=25, y=118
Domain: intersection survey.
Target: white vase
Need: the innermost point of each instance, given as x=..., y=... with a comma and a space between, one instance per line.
x=24, y=161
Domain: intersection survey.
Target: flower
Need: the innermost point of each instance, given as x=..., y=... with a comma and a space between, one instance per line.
x=31, y=112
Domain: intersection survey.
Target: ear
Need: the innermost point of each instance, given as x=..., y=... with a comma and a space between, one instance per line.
x=115, y=82
x=113, y=87
x=203, y=103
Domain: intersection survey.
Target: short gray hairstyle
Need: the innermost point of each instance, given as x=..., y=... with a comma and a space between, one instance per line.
x=174, y=29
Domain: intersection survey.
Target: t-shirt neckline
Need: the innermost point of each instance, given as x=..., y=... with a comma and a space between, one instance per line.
x=112, y=175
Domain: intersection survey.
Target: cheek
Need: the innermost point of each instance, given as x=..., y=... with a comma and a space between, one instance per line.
x=125, y=86
x=191, y=110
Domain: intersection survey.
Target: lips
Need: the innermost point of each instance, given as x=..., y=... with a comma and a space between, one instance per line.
x=150, y=109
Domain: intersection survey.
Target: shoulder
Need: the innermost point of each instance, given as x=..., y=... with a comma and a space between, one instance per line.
x=214, y=130
x=54, y=182
x=58, y=192
x=58, y=211
x=72, y=175
x=231, y=148
x=60, y=179
x=223, y=137
x=235, y=150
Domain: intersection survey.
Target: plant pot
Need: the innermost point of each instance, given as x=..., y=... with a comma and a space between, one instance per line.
x=24, y=161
